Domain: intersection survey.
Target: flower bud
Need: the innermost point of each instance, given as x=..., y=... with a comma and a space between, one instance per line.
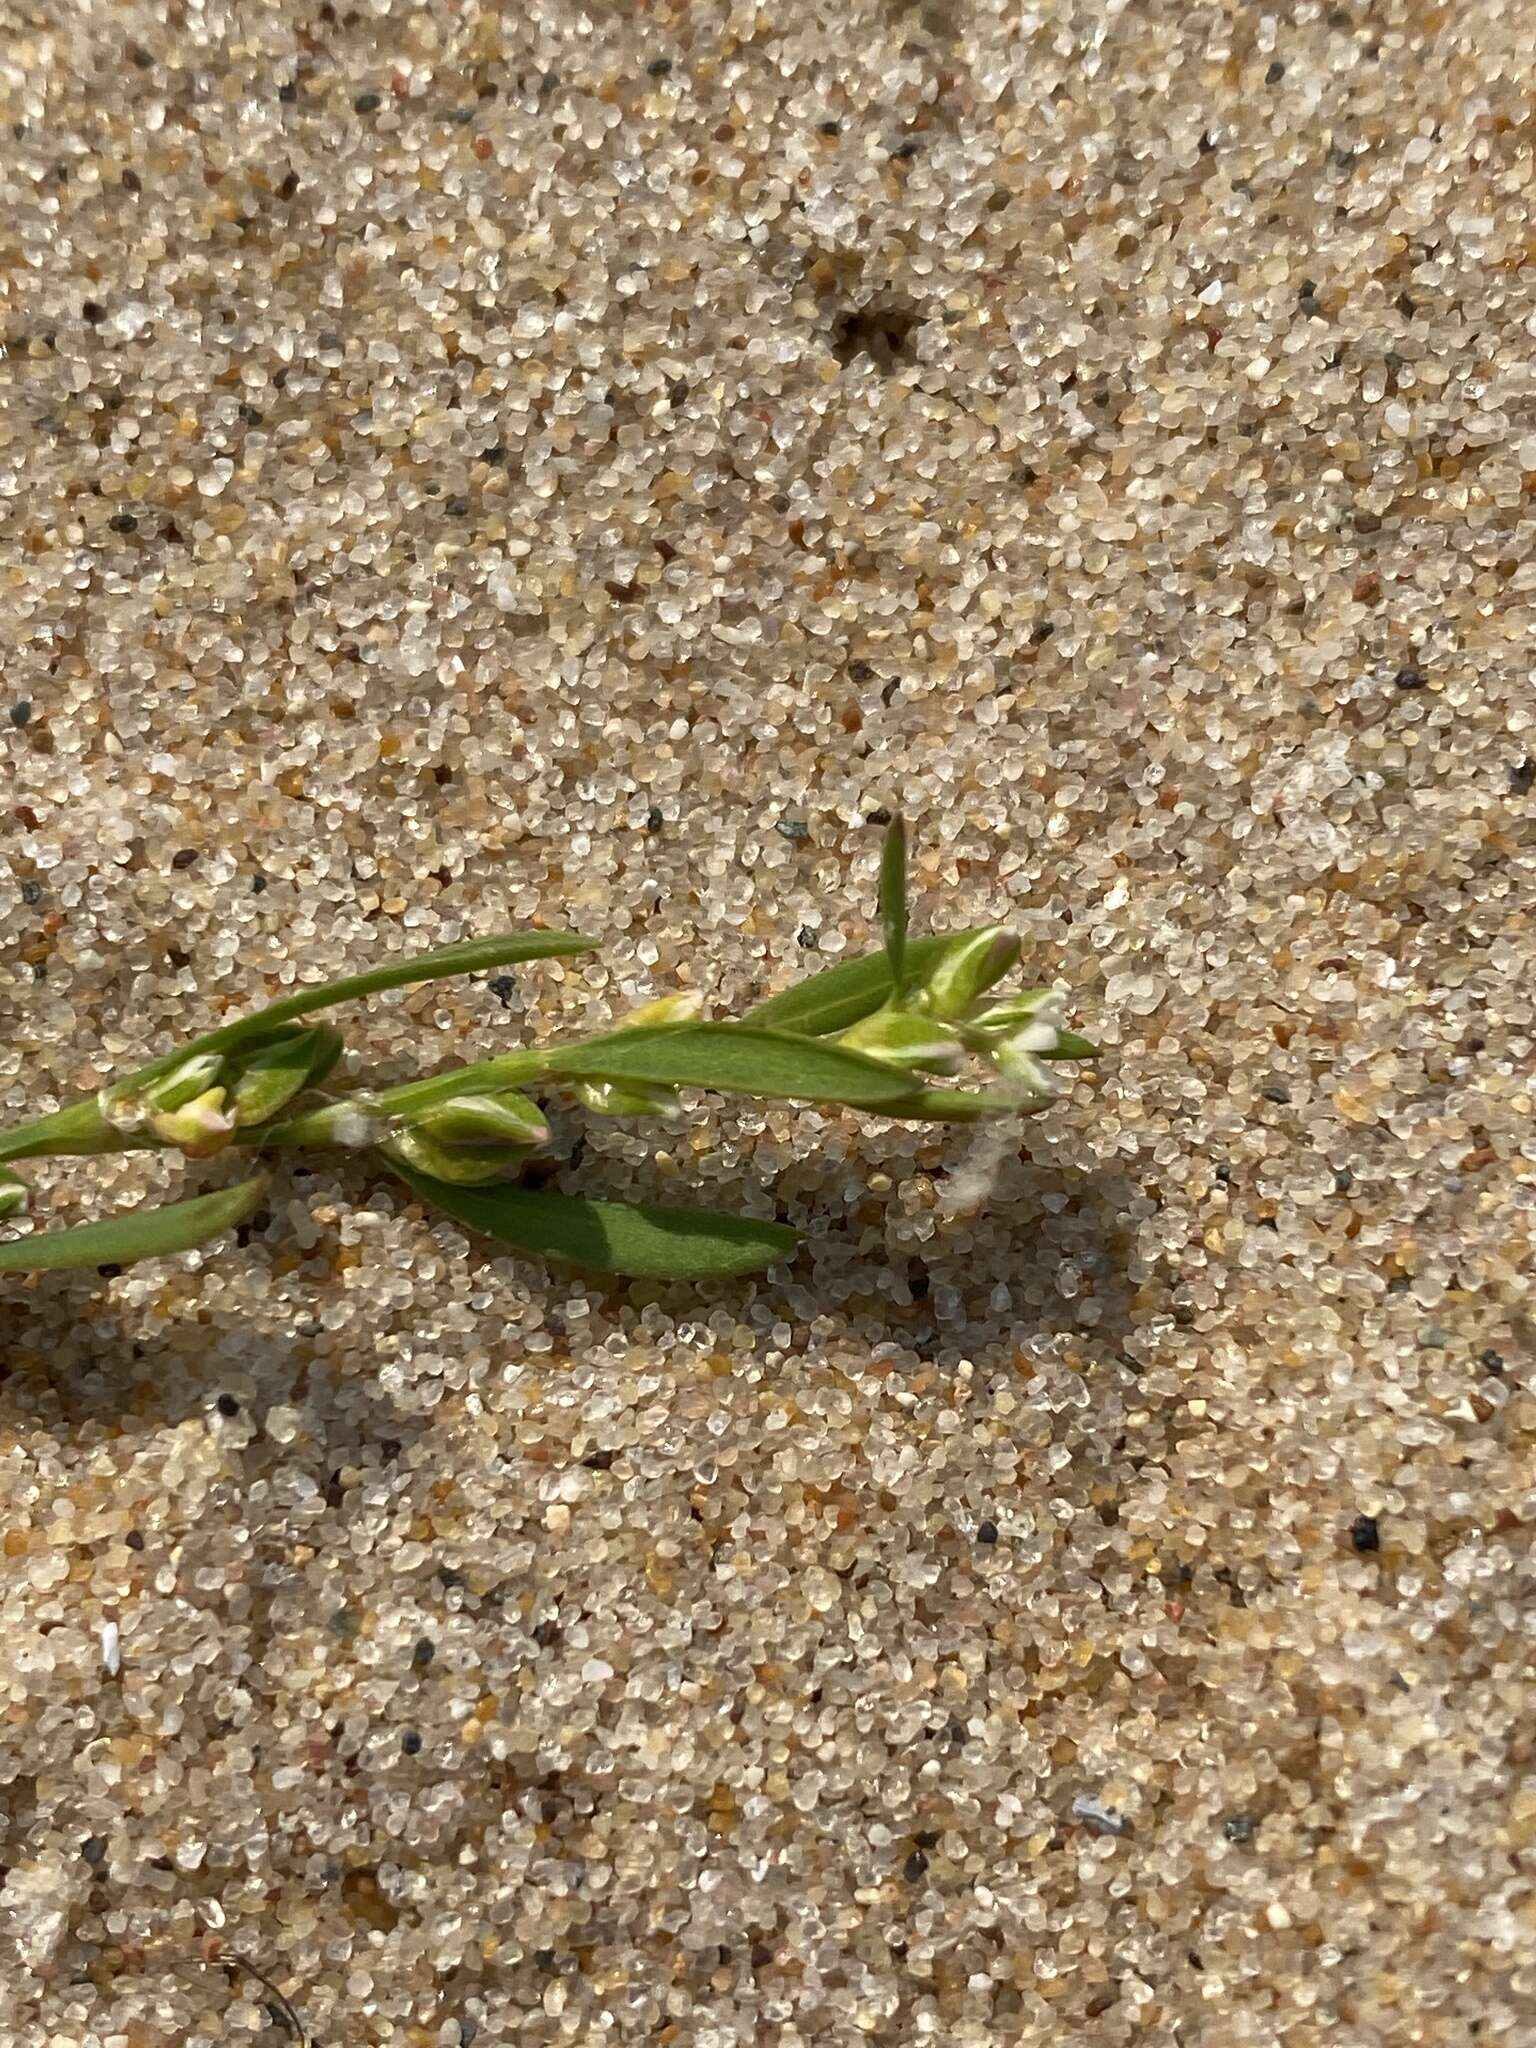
x=898, y=1039
x=1029, y=1023
x=129, y=1105
x=461, y=1165
x=1034, y=1011
x=267, y=1079
x=665, y=1012
x=1018, y=1035
x=471, y=1139
x=628, y=1098
x=506, y=1119
x=200, y=1128
x=966, y=970
x=13, y=1194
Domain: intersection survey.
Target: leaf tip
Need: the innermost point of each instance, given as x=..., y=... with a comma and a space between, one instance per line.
x=893, y=900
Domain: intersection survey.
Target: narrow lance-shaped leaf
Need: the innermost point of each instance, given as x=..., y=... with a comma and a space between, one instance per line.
x=269, y=1078
x=1071, y=1045
x=830, y=1001
x=952, y=989
x=739, y=1060
x=636, y=1239
x=470, y=956
x=893, y=902
x=148, y=1232
x=954, y=1105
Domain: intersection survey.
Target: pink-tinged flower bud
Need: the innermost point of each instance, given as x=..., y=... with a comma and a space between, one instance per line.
x=471, y=1139
x=461, y=1165
x=503, y=1119
x=129, y=1105
x=200, y=1128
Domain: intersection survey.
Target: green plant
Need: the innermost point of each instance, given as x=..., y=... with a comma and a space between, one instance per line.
x=861, y=1035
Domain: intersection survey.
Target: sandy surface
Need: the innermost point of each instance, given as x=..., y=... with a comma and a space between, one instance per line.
x=462, y=464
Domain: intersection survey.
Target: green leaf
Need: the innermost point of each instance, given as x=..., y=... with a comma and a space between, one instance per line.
x=737, y=1059
x=893, y=901
x=962, y=976
x=952, y=1105
x=148, y=1232
x=830, y=1001
x=470, y=956
x=1070, y=1046
x=268, y=1079
x=636, y=1239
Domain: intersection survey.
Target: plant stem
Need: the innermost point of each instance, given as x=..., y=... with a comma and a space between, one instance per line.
x=484, y=1077
x=81, y=1128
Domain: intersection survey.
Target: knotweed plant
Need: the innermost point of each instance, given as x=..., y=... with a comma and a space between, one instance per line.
x=865, y=1035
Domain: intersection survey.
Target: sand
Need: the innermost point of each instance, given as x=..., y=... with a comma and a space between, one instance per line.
x=464, y=465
